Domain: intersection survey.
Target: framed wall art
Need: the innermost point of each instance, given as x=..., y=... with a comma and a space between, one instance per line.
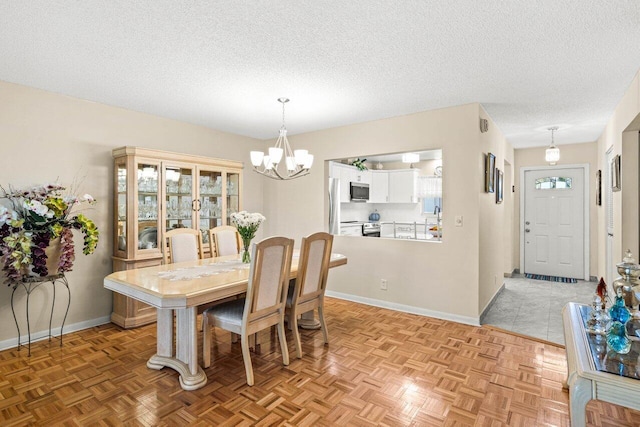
x=615, y=173
x=599, y=188
x=499, y=185
x=489, y=173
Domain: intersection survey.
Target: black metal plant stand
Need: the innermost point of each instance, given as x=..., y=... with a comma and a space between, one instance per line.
x=29, y=285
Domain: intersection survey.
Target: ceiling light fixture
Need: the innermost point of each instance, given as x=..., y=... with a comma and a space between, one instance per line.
x=297, y=163
x=410, y=158
x=552, y=154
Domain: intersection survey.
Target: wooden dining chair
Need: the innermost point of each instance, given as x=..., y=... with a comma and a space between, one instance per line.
x=263, y=305
x=307, y=292
x=182, y=244
x=224, y=240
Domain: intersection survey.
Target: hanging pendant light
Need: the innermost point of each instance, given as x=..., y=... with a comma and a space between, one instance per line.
x=552, y=154
x=296, y=163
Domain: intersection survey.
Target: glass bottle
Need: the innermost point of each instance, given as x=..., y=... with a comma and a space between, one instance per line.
x=617, y=338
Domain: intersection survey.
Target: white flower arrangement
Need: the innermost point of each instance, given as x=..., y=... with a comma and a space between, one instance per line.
x=247, y=225
x=246, y=219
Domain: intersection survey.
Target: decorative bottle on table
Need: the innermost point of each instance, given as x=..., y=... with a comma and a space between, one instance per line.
x=617, y=338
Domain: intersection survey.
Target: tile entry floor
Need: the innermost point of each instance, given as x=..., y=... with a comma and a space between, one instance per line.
x=534, y=307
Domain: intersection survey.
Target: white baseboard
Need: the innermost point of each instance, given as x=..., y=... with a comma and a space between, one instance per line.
x=40, y=335
x=405, y=308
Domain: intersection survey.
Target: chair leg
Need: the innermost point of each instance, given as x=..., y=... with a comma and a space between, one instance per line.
x=256, y=343
x=323, y=324
x=282, y=337
x=290, y=321
x=206, y=341
x=296, y=336
x=246, y=355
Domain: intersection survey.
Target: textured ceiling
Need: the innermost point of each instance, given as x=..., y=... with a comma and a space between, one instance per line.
x=223, y=64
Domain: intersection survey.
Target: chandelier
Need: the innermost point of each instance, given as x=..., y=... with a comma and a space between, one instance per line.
x=297, y=163
x=552, y=154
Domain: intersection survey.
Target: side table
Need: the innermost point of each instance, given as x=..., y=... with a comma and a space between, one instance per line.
x=585, y=381
x=29, y=285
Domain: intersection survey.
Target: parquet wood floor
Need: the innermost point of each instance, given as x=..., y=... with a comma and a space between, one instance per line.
x=382, y=368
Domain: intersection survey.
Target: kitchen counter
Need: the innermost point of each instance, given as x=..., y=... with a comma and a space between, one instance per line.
x=351, y=228
x=409, y=230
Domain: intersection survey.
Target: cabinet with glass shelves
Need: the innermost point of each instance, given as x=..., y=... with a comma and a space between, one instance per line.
x=156, y=191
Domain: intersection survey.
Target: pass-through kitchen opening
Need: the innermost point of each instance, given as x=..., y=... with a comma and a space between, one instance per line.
x=395, y=196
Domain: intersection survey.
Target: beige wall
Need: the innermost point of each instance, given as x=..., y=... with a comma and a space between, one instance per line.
x=571, y=154
x=494, y=219
x=624, y=119
x=49, y=136
x=426, y=277
x=45, y=136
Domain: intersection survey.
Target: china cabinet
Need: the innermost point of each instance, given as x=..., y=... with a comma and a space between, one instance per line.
x=155, y=191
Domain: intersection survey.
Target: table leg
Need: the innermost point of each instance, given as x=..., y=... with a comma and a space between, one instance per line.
x=308, y=321
x=185, y=361
x=164, y=328
x=580, y=393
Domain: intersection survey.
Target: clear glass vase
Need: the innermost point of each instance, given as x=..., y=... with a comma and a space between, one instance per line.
x=246, y=255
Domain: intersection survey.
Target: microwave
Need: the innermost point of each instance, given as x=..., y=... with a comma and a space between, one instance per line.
x=359, y=192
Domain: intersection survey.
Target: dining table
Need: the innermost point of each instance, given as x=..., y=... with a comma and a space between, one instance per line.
x=176, y=291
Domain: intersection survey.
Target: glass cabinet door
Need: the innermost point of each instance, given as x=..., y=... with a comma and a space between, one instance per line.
x=210, y=201
x=148, y=208
x=121, y=206
x=233, y=195
x=179, y=197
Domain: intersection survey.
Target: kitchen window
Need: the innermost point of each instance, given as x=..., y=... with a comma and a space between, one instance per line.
x=430, y=205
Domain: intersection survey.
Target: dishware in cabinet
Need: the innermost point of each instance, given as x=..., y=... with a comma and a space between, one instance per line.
x=155, y=191
x=137, y=205
x=218, y=197
x=180, y=196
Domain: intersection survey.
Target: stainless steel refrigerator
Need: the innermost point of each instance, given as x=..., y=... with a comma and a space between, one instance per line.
x=334, y=206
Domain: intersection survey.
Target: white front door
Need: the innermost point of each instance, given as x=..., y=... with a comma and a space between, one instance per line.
x=554, y=220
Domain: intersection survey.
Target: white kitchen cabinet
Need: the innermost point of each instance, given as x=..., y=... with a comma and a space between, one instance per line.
x=343, y=174
x=363, y=177
x=334, y=170
x=348, y=174
x=403, y=186
x=379, y=190
x=351, y=229
x=345, y=180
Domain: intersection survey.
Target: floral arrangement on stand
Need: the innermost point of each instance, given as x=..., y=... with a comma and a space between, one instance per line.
x=39, y=219
x=247, y=225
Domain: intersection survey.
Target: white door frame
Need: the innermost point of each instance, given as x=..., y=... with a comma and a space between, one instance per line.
x=610, y=270
x=585, y=169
